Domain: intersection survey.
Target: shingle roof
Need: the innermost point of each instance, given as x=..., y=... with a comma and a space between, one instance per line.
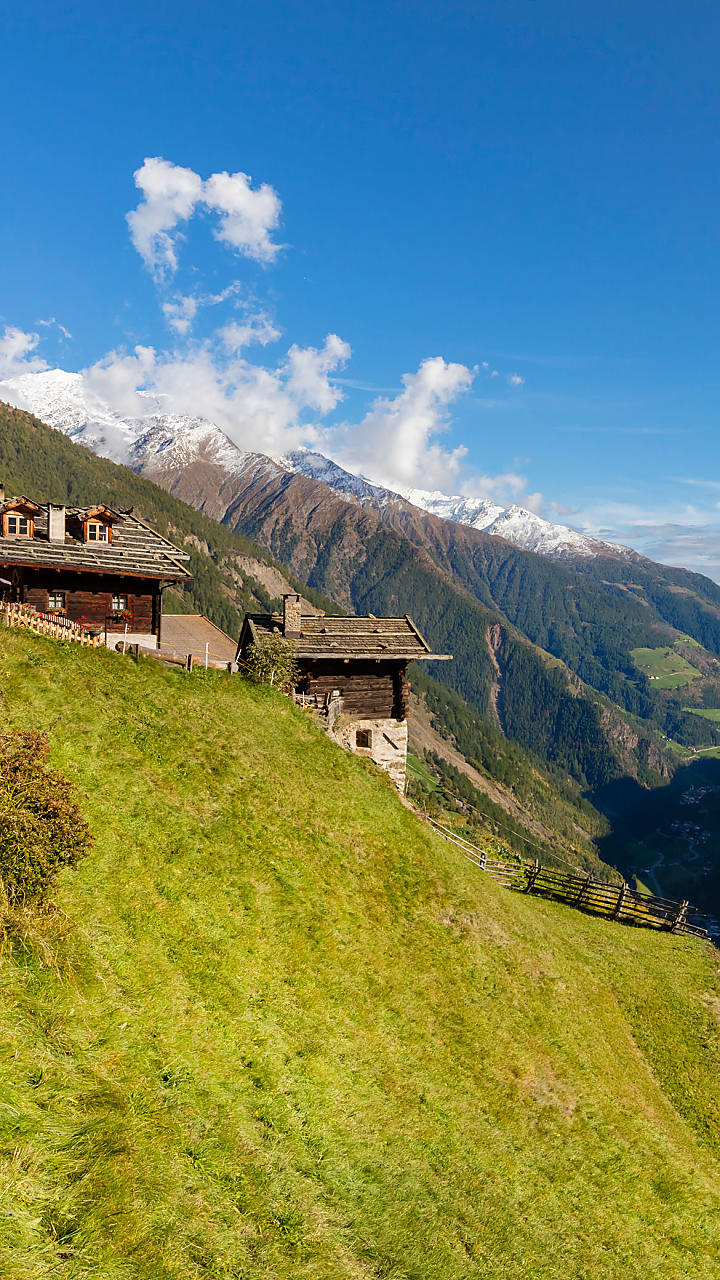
x=351, y=638
x=135, y=550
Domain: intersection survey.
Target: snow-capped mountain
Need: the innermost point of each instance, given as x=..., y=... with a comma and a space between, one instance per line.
x=479, y=513
x=161, y=445
x=64, y=400
x=515, y=524
x=317, y=467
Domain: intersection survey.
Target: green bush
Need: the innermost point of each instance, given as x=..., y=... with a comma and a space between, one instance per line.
x=272, y=662
x=41, y=826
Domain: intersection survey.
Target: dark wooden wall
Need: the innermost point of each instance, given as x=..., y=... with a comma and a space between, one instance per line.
x=369, y=690
x=89, y=596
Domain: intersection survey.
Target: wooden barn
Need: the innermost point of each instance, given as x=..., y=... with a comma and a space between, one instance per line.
x=353, y=673
x=104, y=568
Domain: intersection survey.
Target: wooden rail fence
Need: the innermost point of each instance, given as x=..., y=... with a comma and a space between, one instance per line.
x=615, y=902
x=189, y=661
x=47, y=624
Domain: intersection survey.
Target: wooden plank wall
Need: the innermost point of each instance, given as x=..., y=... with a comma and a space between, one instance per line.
x=374, y=691
x=89, y=596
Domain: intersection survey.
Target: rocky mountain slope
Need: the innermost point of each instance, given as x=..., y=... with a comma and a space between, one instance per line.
x=515, y=524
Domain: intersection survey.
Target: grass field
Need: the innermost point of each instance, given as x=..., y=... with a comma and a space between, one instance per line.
x=708, y=713
x=288, y=1032
x=418, y=769
x=665, y=668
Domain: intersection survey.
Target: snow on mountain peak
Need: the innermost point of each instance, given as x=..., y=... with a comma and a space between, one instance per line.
x=64, y=401
x=317, y=467
x=515, y=524
x=154, y=441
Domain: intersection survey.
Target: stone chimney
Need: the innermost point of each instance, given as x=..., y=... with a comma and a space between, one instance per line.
x=292, y=616
x=56, y=523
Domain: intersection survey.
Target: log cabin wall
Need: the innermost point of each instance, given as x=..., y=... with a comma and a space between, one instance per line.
x=374, y=690
x=89, y=597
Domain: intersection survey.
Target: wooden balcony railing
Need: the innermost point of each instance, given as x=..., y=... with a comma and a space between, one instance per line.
x=56, y=625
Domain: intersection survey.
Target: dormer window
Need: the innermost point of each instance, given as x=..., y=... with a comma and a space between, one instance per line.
x=95, y=531
x=17, y=526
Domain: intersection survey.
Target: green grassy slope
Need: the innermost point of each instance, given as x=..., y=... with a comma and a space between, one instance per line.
x=292, y=1034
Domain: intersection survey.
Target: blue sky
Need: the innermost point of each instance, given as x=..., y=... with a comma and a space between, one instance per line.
x=454, y=190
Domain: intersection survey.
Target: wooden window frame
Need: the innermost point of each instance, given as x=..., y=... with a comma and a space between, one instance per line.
x=363, y=733
x=55, y=608
x=97, y=525
x=119, y=608
x=17, y=533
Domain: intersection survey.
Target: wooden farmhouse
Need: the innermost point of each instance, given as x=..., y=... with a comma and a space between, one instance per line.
x=103, y=568
x=353, y=673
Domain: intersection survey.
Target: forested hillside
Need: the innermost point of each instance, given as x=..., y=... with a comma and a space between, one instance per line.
x=593, y=612
x=278, y=1029
x=344, y=551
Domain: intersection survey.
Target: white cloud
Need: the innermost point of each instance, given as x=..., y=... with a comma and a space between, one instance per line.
x=268, y=410
x=515, y=380
x=172, y=194
x=118, y=378
x=52, y=323
x=395, y=442
x=247, y=217
x=181, y=309
x=306, y=370
x=257, y=328
x=180, y=312
x=17, y=353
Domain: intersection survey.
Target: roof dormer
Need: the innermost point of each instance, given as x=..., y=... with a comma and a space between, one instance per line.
x=18, y=518
x=97, y=525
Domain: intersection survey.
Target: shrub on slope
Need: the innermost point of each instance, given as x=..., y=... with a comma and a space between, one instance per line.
x=42, y=829
x=302, y=1038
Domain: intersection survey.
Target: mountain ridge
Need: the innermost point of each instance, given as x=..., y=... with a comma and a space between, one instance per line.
x=64, y=400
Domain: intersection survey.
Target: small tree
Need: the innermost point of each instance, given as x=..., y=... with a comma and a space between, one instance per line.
x=273, y=662
x=41, y=826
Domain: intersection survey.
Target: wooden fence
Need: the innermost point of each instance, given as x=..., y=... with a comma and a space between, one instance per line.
x=189, y=661
x=615, y=902
x=48, y=624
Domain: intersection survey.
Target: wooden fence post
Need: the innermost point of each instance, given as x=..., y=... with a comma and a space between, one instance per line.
x=533, y=873
x=189, y=663
x=621, y=901
x=586, y=885
x=679, y=917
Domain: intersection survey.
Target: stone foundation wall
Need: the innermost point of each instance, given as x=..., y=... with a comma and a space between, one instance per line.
x=388, y=743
